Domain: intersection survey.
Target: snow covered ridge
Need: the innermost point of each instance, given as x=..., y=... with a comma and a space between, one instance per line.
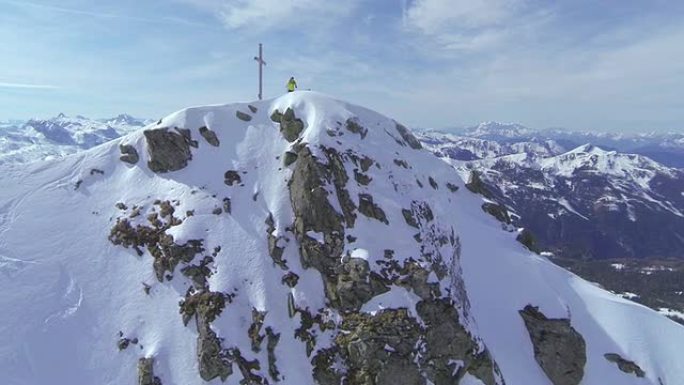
x=39, y=139
x=492, y=139
x=300, y=240
x=586, y=202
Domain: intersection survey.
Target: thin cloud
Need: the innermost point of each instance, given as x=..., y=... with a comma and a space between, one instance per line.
x=260, y=15
x=106, y=15
x=28, y=86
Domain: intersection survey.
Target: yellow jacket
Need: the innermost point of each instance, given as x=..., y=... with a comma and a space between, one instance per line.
x=291, y=85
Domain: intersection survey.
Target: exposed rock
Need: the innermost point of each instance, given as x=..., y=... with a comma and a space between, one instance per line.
x=128, y=154
x=408, y=217
x=408, y=137
x=452, y=187
x=290, y=126
x=354, y=126
x=255, y=329
x=433, y=183
x=276, y=116
x=169, y=151
x=243, y=116
x=252, y=108
x=214, y=362
x=527, y=239
x=356, y=285
x=275, y=251
x=272, y=340
x=477, y=186
x=198, y=274
x=558, y=348
x=361, y=179
x=447, y=341
x=365, y=163
x=380, y=348
x=368, y=208
x=246, y=368
x=205, y=305
x=497, y=211
x=123, y=343
x=624, y=365
x=166, y=253
x=401, y=163
x=231, y=177
x=290, y=279
x=289, y=158
x=94, y=171
x=146, y=372
x=338, y=173
x=217, y=211
x=209, y=136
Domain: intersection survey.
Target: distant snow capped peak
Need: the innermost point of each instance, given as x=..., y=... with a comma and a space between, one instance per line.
x=125, y=119
x=498, y=129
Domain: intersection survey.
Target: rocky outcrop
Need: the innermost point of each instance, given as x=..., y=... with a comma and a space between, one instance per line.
x=128, y=154
x=370, y=209
x=146, y=372
x=168, y=150
x=214, y=361
x=558, y=348
x=290, y=125
x=408, y=137
x=627, y=366
x=391, y=347
x=356, y=284
x=209, y=136
x=355, y=127
x=477, y=186
x=289, y=157
x=167, y=254
x=497, y=211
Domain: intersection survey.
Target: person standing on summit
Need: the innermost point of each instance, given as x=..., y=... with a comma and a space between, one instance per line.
x=291, y=85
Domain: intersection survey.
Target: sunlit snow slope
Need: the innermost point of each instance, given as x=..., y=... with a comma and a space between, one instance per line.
x=286, y=273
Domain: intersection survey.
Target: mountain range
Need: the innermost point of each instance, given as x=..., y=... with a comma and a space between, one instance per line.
x=298, y=240
x=38, y=139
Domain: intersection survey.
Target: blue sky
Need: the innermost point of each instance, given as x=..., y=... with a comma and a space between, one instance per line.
x=609, y=65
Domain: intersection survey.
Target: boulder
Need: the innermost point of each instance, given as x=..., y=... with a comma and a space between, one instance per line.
x=243, y=116
x=169, y=151
x=558, y=348
x=627, y=366
x=209, y=136
x=128, y=154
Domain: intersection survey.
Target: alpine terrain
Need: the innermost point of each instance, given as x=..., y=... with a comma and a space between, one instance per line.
x=39, y=139
x=299, y=240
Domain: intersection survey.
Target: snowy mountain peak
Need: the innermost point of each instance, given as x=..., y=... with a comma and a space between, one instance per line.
x=125, y=119
x=493, y=129
x=299, y=240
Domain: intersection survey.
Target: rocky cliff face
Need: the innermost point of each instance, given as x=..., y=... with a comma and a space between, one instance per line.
x=298, y=241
